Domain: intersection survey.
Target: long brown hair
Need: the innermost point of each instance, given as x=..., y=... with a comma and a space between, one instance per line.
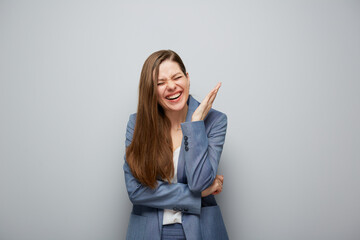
x=150, y=153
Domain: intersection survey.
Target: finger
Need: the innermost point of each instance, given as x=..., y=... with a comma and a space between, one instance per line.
x=216, y=192
x=213, y=93
x=221, y=181
x=208, y=96
x=218, y=86
x=218, y=189
x=213, y=96
x=220, y=177
x=211, y=100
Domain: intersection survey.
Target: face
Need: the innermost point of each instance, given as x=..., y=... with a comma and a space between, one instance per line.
x=172, y=86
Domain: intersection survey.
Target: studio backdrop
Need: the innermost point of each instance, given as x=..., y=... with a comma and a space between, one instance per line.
x=290, y=73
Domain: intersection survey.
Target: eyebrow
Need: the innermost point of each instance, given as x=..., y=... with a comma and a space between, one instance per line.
x=161, y=79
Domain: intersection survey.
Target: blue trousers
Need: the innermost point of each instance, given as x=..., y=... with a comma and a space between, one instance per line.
x=173, y=232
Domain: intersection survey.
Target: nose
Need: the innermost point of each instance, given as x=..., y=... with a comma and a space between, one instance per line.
x=171, y=85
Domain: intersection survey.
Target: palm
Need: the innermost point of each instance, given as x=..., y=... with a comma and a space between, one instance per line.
x=205, y=106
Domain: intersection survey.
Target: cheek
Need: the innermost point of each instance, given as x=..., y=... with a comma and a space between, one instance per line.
x=187, y=86
x=159, y=92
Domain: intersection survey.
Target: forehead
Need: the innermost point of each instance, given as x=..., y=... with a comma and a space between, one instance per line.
x=168, y=68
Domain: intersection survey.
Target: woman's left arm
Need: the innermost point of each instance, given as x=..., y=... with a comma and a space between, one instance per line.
x=203, y=150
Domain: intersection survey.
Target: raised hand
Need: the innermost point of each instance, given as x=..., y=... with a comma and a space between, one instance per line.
x=215, y=188
x=205, y=106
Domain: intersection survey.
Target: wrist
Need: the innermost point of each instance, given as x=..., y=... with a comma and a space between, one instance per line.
x=205, y=193
x=195, y=119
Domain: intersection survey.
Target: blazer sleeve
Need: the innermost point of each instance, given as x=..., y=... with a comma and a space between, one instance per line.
x=176, y=196
x=203, y=150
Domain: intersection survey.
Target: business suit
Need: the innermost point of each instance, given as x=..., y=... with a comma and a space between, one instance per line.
x=199, y=157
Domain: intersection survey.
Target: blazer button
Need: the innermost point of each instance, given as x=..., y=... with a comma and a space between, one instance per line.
x=186, y=143
x=186, y=148
x=185, y=137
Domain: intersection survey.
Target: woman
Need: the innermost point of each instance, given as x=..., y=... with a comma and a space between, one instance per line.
x=173, y=148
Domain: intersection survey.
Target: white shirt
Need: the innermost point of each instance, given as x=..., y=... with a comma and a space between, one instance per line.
x=170, y=216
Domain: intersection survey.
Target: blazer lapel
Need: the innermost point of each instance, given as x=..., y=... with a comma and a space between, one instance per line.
x=192, y=105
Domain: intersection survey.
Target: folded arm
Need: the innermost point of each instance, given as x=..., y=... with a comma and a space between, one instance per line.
x=203, y=150
x=176, y=196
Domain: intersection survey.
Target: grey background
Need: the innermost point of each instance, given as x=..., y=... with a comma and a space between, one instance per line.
x=290, y=70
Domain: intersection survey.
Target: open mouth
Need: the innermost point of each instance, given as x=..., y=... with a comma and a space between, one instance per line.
x=174, y=97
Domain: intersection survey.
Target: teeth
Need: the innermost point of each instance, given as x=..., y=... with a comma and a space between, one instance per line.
x=173, y=96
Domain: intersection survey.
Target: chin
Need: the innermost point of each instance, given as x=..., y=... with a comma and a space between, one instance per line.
x=175, y=105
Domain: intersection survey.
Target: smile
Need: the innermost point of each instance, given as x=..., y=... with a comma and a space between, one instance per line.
x=175, y=96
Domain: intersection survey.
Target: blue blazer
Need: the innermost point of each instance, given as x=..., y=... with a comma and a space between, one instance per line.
x=197, y=167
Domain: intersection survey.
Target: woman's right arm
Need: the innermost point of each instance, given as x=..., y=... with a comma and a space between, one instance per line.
x=176, y=196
